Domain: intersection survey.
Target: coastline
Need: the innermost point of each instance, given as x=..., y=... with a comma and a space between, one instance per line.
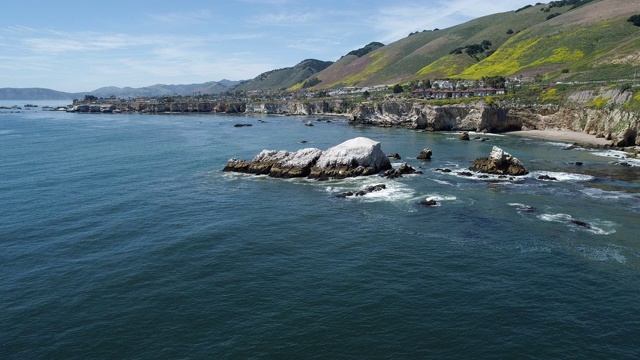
x=564, y=136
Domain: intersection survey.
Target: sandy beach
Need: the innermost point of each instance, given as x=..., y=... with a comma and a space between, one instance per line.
x=563, y=136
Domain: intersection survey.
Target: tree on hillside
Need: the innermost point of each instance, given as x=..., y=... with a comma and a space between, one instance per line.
x=366, y=94
x=497, y=82
x=635, y=20
x=397, y=88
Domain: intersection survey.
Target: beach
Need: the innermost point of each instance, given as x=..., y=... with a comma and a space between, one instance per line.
x=564, y=136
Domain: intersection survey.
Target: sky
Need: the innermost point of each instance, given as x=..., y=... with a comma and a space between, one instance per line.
x=76, y=46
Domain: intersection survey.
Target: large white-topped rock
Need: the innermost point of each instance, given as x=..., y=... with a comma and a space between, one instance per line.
x=358, y=156
x=355, y=157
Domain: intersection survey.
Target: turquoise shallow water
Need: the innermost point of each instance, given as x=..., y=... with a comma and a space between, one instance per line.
x=120, y=237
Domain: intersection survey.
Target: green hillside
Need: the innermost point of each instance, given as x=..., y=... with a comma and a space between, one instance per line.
x=284, y=78
x=592, y=42
x=563, y=40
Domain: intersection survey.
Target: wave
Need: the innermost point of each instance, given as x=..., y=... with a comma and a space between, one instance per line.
x=598, y=227
x=394, y=191
x=562, y=176
x=560, y=144
x=618, y=155
x=608, y=195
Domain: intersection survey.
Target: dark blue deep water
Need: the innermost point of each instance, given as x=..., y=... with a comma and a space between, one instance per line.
x=121, y=238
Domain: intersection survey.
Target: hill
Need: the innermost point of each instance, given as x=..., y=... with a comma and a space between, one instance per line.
x=211, y=87
x=285, y=77
x=35, y=94
x=562, y=40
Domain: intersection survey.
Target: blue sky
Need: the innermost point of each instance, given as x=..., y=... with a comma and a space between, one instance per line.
x=83, y=45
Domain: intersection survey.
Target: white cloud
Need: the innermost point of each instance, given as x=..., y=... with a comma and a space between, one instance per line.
x=396, y=22
x=174, y=18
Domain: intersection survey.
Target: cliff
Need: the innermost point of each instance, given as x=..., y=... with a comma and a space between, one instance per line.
x=600, y=113
x=319, y=107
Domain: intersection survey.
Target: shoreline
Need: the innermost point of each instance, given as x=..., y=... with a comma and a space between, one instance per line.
x=573, y=137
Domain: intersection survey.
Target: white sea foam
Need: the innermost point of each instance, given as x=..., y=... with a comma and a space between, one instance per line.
x=598, y=227
x=6, y=132
x=559, y=144
x=603, y=254
x=440, y=198
x=393, y=191
x=443, y=182
x=608, y=195
x=619, y=156
x=562, y=176
x=611, y=154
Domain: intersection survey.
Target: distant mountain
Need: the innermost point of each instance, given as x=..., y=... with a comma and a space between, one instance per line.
x=35, y=94
x=285, y=77
x=211, y=87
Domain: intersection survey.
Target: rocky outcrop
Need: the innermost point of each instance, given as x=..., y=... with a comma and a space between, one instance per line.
x=355, y=157
x=425, y=154
x=499, y=162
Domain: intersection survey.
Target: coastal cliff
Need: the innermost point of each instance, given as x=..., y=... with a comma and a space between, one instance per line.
x=601, y=113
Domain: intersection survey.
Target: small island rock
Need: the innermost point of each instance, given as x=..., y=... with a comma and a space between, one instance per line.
x=355, y=157
x=499, y=162
x=425, y=154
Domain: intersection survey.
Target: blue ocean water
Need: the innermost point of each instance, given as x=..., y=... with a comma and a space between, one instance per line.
x=120, y=237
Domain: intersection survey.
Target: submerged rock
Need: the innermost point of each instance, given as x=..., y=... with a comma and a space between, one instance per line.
x=401, y=170
x=428, y=202
x=499, y=162
x=363, y=192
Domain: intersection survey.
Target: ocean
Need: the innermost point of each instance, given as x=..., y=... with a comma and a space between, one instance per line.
x=121, y=238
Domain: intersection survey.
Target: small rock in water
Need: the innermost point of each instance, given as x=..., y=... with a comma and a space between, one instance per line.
x=581, y=224
x=578, y=163
x=464, y=136
x=394, y=156
x=465, y=173
x=547, y=177
x=443, y=170
x=428, y=202
x=425, y=154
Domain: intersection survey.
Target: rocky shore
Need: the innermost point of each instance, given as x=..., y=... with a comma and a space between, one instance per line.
x=611, y=124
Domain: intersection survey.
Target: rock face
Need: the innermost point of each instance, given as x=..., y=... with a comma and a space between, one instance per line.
x=499, y=162
x=476, y=116
x=355, y=157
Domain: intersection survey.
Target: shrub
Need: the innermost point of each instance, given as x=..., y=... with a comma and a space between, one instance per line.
x=397, y=88
x=510, y=31
x=635, y=20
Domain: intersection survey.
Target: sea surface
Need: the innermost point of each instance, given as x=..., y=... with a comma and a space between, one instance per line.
x=121, y=238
